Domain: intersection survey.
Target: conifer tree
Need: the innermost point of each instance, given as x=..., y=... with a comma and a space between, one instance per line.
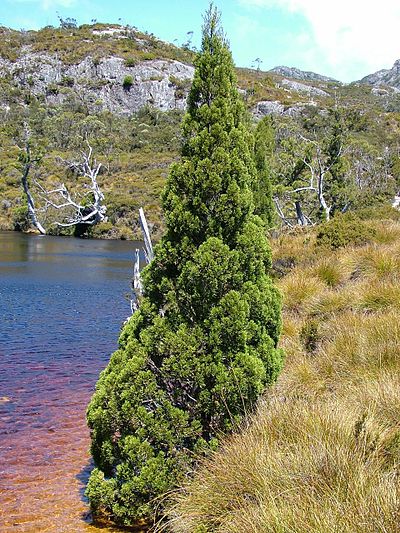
x=203, y=345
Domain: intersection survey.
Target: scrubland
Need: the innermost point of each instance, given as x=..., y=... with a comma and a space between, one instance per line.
x=322, y=451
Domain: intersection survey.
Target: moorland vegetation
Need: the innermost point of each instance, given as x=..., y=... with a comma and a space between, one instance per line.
x=322, y=452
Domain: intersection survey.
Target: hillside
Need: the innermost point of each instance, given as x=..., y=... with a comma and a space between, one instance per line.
x=322, y=452
x=388, y=77
x=293, y=72
x=124, y=91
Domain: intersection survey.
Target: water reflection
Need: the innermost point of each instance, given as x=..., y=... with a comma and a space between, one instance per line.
x=62, y=302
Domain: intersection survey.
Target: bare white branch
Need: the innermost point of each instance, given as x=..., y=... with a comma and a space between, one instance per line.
x=146, y=236
x=280, y=213
x=29, y=161
x=88, y=213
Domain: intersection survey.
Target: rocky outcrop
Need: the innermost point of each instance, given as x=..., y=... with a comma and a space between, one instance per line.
x=390, y=77
x=123, y=89
x=108, y=83
x=293, y=72
x=302, y=88
x=267, y=107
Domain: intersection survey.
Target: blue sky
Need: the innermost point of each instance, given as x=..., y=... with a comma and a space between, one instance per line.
x=345, y=39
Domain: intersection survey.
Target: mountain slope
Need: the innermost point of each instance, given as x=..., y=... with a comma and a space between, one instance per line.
x=389, y=77
x=293, y=72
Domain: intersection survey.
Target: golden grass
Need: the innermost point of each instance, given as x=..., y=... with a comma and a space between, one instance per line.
x=322, y=452
x=300, y=290
x=332, y=271
x=386, y=231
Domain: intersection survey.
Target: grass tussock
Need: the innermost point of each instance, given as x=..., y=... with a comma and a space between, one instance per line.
x=322, y=452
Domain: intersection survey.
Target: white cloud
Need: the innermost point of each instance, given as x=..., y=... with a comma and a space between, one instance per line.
x=353, y=36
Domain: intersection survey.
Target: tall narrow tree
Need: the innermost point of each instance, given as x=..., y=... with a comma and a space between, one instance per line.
x=203, y=345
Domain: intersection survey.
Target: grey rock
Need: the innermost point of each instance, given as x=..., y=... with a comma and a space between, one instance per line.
x=101, y=83
x=390, y=77
x=302, y=88
x=267, y=107
x=293, y=72
x=274, y=107
x=379, y=91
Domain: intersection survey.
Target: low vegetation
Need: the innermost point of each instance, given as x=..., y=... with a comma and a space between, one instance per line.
x=323, y=451
x=135, y=153
x=74, y=43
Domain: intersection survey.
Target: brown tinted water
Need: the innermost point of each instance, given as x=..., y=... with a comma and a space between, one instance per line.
x=62, y=302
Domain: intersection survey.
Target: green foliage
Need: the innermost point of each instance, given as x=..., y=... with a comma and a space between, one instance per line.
x=67, y=81
x=262, y=189
x=20, y=218
x=203, y=345
x=67, y=23
x=379, y=212
x=127, y=83
x=130, y=62
x=182, y=85
x=52, y=89
x=344, y=230
x=135, y=152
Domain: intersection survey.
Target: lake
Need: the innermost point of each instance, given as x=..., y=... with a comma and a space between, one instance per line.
x=62, y=303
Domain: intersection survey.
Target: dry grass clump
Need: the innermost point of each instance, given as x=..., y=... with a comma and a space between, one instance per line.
x=376, y=261
x=297, y=468
x=322, y=452
x=332, y=271
x=293, y=249
x=386, y=231
x=334, y=301
x=379, y=295
x=299, y=290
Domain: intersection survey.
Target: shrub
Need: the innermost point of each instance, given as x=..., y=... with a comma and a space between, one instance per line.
x=203, y=345
x=127, y=83
x=20, y=218
x=52, y=89
x=130, y=62
x=182, y=86
x=309, y=335
x=299, y=291
x=67, y=81
x=379, y=212
x=343, y=231
x=331, y=271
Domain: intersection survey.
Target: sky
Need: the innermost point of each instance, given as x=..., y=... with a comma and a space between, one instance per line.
x=344, y=39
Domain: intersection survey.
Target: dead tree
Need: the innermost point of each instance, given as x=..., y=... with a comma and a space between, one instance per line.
x=314, y=172
x=318, y=167
x=148, y=254
x=28, y=162
x=88, y=208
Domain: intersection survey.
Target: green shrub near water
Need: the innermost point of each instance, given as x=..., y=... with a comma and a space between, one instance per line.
x=20, y=218
x=203, y=345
